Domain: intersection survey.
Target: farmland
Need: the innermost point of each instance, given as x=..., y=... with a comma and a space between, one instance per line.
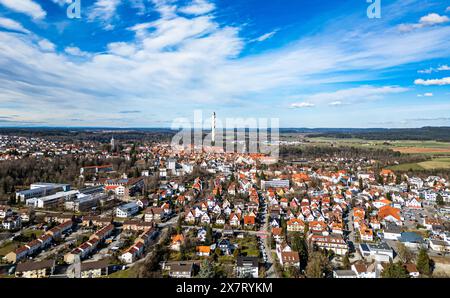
x=437, y=152
x=436, y=163
x=406, y=147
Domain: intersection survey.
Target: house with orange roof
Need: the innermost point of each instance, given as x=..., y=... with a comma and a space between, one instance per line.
x=177, y=241
x=390, y=214
x=365, y=233
x=295, y=225
x=249, y=221
x=284, y=202
x=277, y=234
x=203, y=251
x=337, y=227
x=386, y=173
x=318, y=226
x=381, y=203
x=235, y=219
x=358, y=214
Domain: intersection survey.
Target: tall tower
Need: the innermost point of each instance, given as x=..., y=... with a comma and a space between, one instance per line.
x=213, y=129
x=113, y=143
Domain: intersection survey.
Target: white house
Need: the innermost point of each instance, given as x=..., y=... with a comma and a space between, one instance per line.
x=127, y=210
x=414, y=203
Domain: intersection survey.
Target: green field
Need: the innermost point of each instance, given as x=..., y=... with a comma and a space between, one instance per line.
x=430, y=148
x=29, y=232
x=437, y=163
x=248, y=246
x=8, y=247
x=129, y=273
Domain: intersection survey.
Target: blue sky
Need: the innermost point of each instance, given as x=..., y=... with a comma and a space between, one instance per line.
x=143, y=63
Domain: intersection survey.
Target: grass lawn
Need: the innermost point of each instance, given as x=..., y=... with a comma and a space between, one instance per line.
x=407, y=167
x=29, y=232
x=249, y=246
x=437, y=163
x=8, y=247
x=226, y=260
x=129, y=273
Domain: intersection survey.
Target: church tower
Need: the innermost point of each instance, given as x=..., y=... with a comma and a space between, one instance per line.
x=213, y=129
x=113, y=143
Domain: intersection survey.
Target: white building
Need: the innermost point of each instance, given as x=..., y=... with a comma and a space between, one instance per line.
x=127, y=210
x=52, y=200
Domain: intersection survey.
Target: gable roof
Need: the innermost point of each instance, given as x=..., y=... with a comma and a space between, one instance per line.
x=31, y=266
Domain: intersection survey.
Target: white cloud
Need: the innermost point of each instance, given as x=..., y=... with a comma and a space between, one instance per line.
x=425, y=95
x=431, y=69
x=433, y=19
x=46, y=45
x=188, y=62
x=359, y=94
x=443, y=67
x=425, y=21
x=198, y=7
x=27, y=7
x=75, y=51
x=105, y=12
x=433, y=82
x=62, y=2
x=426, y=71
x=300, y=105
x=139, y=5
x=12, y=25
x=121, y=49
x=266, y=36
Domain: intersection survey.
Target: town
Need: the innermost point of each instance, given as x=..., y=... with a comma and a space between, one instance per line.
x=151, y=210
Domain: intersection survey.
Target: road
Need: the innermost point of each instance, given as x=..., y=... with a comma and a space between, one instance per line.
x=161, y=235
x=53, y=250
x=270, y=273
x=254, y=233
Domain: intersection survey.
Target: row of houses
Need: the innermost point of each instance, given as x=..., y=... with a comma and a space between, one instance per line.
x=86, y=248
x=138, y=248
x=40, y=243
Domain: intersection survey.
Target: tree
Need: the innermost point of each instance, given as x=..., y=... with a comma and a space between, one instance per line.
x=405, y=255
x=423, y=262
x=380, y=179
x=440, y=200
x=398, y=179
x=361, y=184
x=318, y=265
x=179, y=228
x=218, y=252
x=206, y=270
x=389, y=196
x=306, y=230
x=299, y=244
x=209, y=235
x=346, y=262
x=395, y=270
